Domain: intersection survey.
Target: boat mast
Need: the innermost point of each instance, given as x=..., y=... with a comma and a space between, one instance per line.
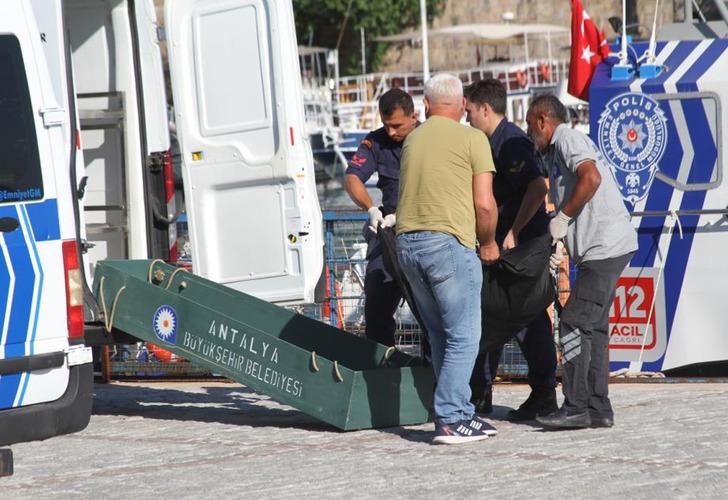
x=425, y=50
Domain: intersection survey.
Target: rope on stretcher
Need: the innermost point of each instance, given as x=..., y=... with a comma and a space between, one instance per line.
x=109, y=318
x=385, y=359
x=183, y=284
x=151, y=266
x=337, y=371
x=171, y=277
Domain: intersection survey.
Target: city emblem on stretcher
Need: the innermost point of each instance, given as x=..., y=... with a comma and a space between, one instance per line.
x=165, y=324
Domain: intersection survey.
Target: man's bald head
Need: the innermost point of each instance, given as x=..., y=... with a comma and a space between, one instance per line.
x=548, y=105
x=544, y=115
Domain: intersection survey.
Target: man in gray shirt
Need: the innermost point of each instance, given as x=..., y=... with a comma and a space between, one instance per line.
x=600, y=239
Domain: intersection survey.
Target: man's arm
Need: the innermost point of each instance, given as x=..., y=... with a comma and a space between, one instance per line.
x=587, y=184
x=486, y=216
x=533, y=198
x=359, y=195
x=360, y=168
x=357, y=191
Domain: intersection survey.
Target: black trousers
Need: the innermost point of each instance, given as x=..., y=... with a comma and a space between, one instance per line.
x=380, y=303
x=585, y=336
x=537, y=346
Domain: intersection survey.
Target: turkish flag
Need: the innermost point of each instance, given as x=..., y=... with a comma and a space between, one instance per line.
x=588, y=49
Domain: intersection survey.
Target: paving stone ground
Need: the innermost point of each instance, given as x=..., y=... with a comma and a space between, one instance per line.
x=221, y=440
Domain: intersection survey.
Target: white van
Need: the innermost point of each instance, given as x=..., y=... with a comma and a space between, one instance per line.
x=45, y=369
x=83, y=107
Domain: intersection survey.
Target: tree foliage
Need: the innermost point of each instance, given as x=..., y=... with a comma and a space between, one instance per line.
x=327, y=23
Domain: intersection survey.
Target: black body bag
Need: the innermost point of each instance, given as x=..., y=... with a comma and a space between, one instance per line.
x=516, y=289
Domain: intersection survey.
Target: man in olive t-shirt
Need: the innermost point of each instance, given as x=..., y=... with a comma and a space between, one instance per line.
x=436, y=178
x=446, y=203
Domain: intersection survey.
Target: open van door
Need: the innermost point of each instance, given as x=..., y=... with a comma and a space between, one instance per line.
x=250, y=193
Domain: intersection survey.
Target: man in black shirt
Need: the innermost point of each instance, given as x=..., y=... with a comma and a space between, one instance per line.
x=520, y=190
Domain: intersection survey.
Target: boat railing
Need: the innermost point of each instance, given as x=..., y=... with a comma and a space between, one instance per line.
x=356, y=96
x=515, y=76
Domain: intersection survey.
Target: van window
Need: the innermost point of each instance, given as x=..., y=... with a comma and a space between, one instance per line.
x=20, y=174
x=233, y=77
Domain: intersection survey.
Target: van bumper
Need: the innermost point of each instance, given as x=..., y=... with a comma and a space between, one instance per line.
x=69, y=413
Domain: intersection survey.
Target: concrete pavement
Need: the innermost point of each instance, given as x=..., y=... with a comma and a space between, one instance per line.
x=214, y=439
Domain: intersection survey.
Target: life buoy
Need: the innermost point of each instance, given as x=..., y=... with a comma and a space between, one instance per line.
x=162, y=355
x=521, y=79
x=545, y=71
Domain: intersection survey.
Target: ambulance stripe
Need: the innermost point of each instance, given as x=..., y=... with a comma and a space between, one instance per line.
x=684, y=159
x=701, y=140
x=44, y=220
x=673, y=62
x=6, y=382
x=705, y=149
x=23, y=290
x=658, y=199
x=38, y=295
x=7, y=287
x=700, y=67
x=8, y=387
x=22, y=297
x=651, y=228
x=51, y=232
x=20, y=310
x=6, y=282
x=683, y=72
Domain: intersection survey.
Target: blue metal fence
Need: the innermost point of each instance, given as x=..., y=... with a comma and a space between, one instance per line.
x=341, y=258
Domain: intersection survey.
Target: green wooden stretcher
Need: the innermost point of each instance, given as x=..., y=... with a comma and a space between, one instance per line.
x=342, y=379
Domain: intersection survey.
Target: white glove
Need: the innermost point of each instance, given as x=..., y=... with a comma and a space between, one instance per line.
x=389, y=220
x=375, y=218
x=559, y=226
x=557, y=257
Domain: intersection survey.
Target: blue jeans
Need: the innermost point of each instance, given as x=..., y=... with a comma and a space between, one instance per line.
x=446, y=279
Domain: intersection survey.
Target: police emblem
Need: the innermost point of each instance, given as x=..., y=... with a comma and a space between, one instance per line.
x=164, y=324
x=632, y=137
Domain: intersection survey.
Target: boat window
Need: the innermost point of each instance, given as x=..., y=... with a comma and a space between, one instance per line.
x=696, y=120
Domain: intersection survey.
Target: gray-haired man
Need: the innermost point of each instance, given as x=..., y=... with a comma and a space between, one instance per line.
x=445, y=203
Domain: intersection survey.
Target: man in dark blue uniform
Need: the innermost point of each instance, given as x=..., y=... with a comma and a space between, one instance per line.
x=380, y=152
x=519, y=189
